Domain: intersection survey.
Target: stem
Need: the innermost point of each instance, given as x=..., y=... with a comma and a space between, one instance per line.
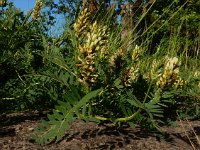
x=125, y=119
x=101, y=118
x=139, y=110
x=129, y=117
x=147, y=93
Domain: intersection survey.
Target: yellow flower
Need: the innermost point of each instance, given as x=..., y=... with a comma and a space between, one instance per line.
x=136, y=53
x=170, y=75
x=93, y=46
x=197, y=74
x=36, y=10
x=131, y=75
x=3, y=3
x=81, y=23
x=115, y=59
x=179, y=83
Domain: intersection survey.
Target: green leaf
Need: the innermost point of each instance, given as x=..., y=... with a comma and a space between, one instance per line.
x=60, y=121
x=135, y=103
x=154, y=108
x=117, y=82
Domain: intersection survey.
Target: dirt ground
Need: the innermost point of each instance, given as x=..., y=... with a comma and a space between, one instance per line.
x=15, y=131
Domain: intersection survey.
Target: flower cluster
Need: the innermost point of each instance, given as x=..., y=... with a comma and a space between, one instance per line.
x=81, y=24
x=131, y=76
x=36, y=10
x=197, y=74
x=136, y=53
x=95, y=45
x=170, y=75
x=132, y=73
x=3, y=3
x=115, y=59
x=99, y=34
x=154, y=69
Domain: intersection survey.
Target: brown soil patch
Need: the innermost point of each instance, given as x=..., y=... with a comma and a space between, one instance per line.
x=15, y=131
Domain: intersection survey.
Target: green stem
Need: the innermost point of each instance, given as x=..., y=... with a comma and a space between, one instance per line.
x=101, y=118
x=138, y=111
x=120, y=119
x=125, y=119
x=129, y=117
x=149, y=88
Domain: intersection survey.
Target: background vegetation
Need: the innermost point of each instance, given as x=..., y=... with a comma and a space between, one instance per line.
x=126, y=61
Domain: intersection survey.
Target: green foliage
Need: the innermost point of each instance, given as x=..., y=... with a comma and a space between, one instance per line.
x=20, y=41
x=62, y=116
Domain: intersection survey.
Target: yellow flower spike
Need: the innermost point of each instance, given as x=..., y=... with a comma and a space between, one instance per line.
x=94, y=45
x=81, y=23
x=197, y=74
x=131, y=75
x=36, y=10
x=170, y=75
x=3, y=3
x=136, y=53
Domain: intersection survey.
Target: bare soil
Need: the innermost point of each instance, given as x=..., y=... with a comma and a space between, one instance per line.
x=15, y=131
